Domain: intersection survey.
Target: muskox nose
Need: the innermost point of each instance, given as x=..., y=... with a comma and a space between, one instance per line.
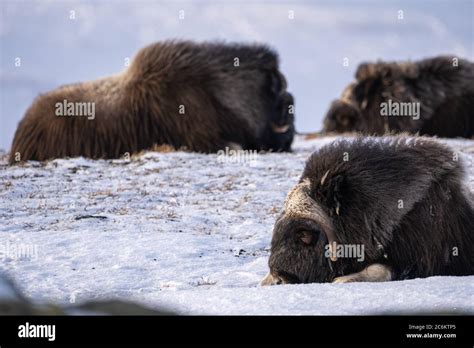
x=270, y=279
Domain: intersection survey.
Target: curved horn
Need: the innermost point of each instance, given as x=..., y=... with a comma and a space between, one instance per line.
x=299, y=204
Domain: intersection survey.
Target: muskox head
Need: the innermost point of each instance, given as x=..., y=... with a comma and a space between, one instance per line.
x=303, y=238
x=358, y=108
x=345, y=114
x=281, y=129
x=342, y=117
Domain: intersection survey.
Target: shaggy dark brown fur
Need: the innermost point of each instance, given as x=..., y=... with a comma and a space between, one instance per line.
x=445, y=93
x=243, y=106
x=399, y=197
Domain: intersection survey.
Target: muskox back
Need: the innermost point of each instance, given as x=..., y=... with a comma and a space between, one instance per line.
x=401, y=198
x=437, y=93
x=202, y=97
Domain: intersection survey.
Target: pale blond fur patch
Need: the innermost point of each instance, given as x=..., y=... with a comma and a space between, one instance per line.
x=373, y=273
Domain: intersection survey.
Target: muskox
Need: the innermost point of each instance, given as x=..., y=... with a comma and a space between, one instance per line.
x=202, y=97
x=375, y=209
x=430, y=97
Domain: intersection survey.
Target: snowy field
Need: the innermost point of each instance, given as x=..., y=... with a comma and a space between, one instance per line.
x=187, y=231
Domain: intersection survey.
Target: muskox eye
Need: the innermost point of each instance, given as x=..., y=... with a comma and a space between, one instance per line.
x=306, y=237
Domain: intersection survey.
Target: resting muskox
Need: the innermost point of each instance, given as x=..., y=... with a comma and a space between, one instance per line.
x=433, y=97
x=203, y=97
x=375, y=209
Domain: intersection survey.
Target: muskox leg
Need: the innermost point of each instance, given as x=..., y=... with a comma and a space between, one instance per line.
x=270, y=279
x=234, y=146
x=372, y=273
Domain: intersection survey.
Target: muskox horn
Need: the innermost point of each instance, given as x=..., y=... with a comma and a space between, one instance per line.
x=324, y=177
x=300, y=205
x=280, y=129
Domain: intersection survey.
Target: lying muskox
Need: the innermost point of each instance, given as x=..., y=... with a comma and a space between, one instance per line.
x=203, y=97
x=432, y=96
x=375, y=209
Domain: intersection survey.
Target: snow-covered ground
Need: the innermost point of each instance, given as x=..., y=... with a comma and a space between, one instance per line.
x=187, y=231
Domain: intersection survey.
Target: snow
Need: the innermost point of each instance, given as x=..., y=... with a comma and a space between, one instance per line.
x=182, y=230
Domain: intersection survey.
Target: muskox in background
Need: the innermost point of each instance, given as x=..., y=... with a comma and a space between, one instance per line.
x=432, y=97
x=203, y=97
x=400, y=199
